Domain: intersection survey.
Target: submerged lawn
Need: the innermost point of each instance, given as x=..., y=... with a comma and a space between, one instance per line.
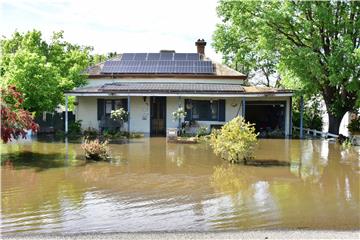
x=151, y=185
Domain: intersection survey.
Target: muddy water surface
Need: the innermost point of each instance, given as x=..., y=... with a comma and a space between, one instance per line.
x=151, y=185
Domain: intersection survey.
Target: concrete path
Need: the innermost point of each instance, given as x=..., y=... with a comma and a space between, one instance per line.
x=209, y=235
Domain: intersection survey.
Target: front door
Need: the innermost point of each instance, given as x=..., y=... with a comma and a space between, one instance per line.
x=158, y=116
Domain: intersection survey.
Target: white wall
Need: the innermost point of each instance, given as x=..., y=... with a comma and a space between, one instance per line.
x=139, y=114
x=86, y=110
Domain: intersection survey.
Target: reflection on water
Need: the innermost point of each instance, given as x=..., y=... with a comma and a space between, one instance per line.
x=151, y=185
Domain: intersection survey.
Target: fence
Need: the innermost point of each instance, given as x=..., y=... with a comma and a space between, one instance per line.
x=52, y=122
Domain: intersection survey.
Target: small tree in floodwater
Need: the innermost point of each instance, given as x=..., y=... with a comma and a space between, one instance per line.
x=235, y=141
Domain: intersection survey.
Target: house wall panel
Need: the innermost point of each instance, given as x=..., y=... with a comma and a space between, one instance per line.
x=86, y=111
x=140, y=114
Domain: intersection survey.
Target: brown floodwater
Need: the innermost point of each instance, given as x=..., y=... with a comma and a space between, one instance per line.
x=151, y=185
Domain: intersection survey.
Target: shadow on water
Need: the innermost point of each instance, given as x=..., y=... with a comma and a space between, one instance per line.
x=39, y=161
x=46, y=138
x=267, y=163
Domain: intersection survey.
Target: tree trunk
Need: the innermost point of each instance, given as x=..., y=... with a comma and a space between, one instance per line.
x=334, y=123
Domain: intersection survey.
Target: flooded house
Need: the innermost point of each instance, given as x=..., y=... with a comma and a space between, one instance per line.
x=151, y=86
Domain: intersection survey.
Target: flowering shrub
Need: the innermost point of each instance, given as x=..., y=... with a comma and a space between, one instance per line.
x=95, y=150
x=120, y=115
x=235, y=141
x=179, y=114
x=15, y=121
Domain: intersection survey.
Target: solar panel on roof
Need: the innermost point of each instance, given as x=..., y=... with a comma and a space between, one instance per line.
x=180, y=56
x=140, y=56
x=166, y=56
x=193, y=56
x=151, y=63
x=153, y=56
x=128, y=56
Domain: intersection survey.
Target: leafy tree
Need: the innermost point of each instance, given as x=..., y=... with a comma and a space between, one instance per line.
x=14, y=120
x=314, y=42
x=42, y=71
x=97, y=58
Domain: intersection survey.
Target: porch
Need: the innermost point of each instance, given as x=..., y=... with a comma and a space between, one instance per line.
x=150, y=106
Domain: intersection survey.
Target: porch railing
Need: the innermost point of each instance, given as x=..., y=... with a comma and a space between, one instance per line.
x=110, y=124
x=316, y=133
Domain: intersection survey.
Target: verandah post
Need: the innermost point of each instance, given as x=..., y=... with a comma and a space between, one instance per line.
x=243, y=107
x=301, y=116
x=128, y=102
x=66, y=114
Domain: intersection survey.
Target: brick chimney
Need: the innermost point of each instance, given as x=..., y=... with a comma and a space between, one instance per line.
x=200, y=45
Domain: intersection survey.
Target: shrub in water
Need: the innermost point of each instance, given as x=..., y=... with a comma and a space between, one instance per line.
x=202, y=131
x=90, y=133
x=95, y=150
x=235, y=141
x=75, y=128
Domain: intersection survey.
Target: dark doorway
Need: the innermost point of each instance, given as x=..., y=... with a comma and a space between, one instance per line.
x=269, y=117
x=158, y=116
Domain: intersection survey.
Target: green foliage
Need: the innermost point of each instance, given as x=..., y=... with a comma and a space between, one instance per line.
x=115, y=134
x=346, y=144
x=95, y=150
x=98, y=58
x=90, y=133
x=235, y=141
x=354, y=125
x=42, y=70
x=313, y=43
x=312, y=116
x=202, y=131
x=136, y=135
x=75, y=128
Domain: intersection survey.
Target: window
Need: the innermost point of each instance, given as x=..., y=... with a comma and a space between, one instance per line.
x=118, y=104
x=205, y=110
x=108, y=107
x=105, y=106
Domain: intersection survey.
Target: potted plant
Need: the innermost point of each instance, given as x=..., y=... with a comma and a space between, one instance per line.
x=120, y=115
x=354, y=128
x=178, y=115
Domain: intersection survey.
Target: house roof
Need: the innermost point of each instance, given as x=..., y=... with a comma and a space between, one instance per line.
x=220, y=71
x=174, y=88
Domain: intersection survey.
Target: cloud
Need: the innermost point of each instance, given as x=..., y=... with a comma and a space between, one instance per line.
x=122, y=26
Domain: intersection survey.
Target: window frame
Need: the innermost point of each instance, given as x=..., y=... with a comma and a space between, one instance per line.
x=208, y=118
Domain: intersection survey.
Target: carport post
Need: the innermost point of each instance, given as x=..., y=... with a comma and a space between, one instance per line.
x=66, y=114
x=301, y=116
x=243, y=107
x=291, y=117
x=128, y=105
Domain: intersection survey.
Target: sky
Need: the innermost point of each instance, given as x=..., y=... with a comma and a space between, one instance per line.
x=121, y=26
